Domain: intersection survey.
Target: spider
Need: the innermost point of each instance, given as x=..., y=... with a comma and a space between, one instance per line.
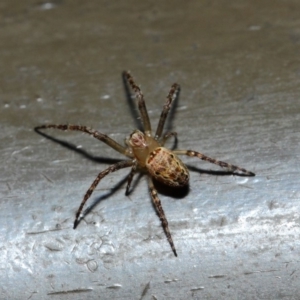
x=146, y=153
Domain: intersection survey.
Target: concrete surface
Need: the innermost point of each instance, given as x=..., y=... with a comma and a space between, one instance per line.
x=238, y=65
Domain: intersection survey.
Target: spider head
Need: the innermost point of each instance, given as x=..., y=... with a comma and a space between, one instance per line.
x=137, y=140
x=141, y=145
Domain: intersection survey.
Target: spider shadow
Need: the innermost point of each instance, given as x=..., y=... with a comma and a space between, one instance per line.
x=112, y=191
x=72, y=147
x=85, y=154
x=171, y=191
x=181, y=192
x=163, y=189
x=100, y=199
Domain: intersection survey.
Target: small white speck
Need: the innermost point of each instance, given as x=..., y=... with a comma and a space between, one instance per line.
x=183, y=107
x=59, y=161
x=254, y=27
x=47, y=6
x=197, y=288
x=114, y=286
x=242, y=180
x=105, y=97
x=22, y=106
x=6, y=105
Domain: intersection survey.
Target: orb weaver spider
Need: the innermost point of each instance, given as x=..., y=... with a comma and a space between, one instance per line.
x=147, y=153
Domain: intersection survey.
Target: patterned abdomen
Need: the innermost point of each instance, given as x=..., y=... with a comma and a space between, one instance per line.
x=166, y=167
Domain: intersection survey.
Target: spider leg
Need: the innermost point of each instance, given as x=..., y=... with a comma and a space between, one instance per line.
x=130, y=177
x=161, y=214
x=170, y=98
x=96, y=134
x=168, y=135
x=222, y=164
x=110, y=169
x=141, y=102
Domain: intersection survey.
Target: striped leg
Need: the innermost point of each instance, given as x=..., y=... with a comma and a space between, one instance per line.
x=161, y=214
x=141, y=102
x=170, y=98
x=130, y=177
x=96, y=134
x=222, y=164
x=110, y=169
x=168, y=135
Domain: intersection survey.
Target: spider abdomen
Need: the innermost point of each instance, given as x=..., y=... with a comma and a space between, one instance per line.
x=166, y=167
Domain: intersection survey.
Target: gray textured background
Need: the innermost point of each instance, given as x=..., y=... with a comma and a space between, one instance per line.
x=238, y=66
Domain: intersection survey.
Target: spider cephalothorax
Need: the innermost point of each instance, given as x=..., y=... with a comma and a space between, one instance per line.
x=160, y=162
x=148, y=154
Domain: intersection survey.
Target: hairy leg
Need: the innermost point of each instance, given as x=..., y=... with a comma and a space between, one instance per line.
x=170, y=98
x=130, y=177
x=96, y=134
x=141, y=102
x=110, y=169
x=222, y=164
x=168, y=135
x=161, y=214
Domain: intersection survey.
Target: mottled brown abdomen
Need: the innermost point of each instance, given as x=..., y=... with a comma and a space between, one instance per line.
x=166, y=167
